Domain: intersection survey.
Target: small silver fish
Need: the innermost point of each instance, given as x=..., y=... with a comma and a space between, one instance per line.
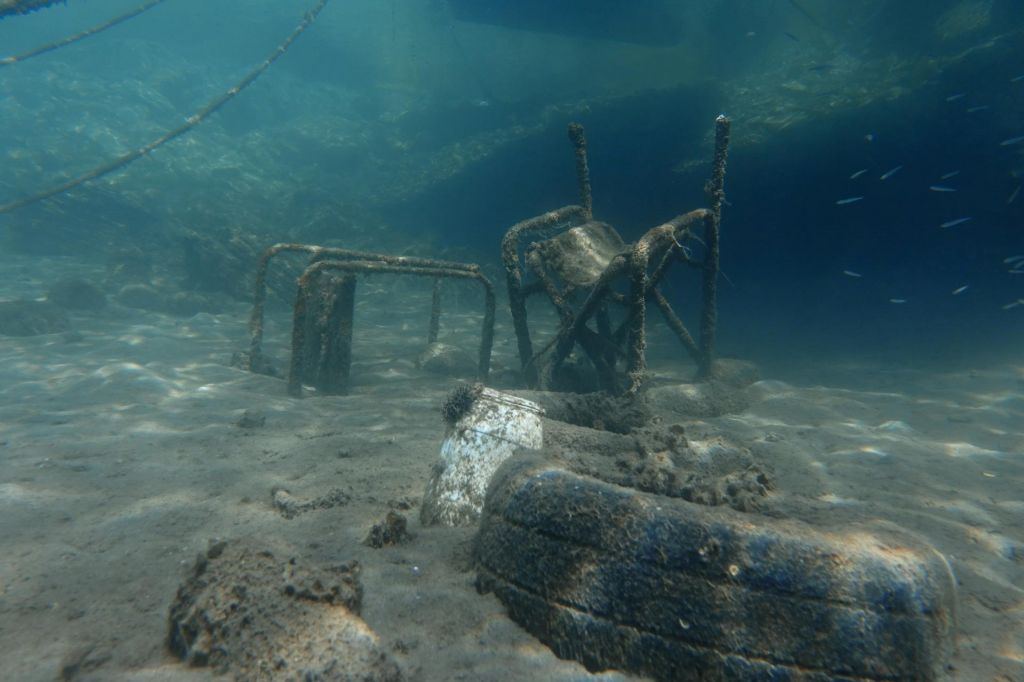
x=959, y=290
x=959, y=95
x=1013, y=259
x=981, y=107
x=1014, y=304
x=897, y=300
x=851, y=273
x=859, y=173
x=1017, y=79
x=954, y=223
x=950, y=174
x=891, y=172
x=848, y=200
x=1012, y=140
x=1013, y=195
x=941, y=188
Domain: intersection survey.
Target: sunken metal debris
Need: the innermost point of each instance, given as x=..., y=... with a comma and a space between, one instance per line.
x=322, y=334
x=579, y=143
x=343, y=357
x=323, y=315
x=517, y=291
x=587, y=258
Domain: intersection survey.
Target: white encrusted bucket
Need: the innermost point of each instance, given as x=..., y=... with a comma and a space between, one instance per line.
x=488, y=433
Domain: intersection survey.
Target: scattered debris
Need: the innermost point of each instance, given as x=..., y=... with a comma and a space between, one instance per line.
x=391, y=531
x=290, y=507
x=447, y=360
x=251, y=420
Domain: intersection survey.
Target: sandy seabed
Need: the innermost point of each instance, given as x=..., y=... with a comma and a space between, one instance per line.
x=122, y=456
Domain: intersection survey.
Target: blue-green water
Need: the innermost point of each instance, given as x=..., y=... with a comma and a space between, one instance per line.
x=390, y=124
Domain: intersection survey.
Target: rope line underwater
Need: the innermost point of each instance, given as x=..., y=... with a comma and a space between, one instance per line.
x=190, y=123
x=50, y=47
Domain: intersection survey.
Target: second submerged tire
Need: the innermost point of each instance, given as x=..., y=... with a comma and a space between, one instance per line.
x=617, y=578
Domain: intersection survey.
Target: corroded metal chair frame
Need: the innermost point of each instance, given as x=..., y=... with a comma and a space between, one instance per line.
x=660, y=246
x=305, y=294
x=352, y=261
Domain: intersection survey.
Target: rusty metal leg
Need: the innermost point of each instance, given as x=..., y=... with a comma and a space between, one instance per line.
x=596, y=352
x=487, y=333
x=636, y=360
x=676, y=325
x=304, y=308
x=579, y=142
x=715, y=189
x=514, y=276
x=336, y=356
x=517, y=306
x=569, y=334
x=322, y=334
x=435, y=312
x=604, y=329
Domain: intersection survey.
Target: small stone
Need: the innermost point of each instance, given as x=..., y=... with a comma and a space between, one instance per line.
x=289, y=506
x=251, y=420
x=391, y=531
x=259, y=364
x=441, y=358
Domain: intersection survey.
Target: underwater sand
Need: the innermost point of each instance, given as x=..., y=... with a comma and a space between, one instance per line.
x=121, y=457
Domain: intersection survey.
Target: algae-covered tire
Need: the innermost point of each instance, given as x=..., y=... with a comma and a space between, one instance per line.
x=616, y=578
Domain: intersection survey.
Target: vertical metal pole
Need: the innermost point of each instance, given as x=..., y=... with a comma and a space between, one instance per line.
x=579, y=141
x=435, y=312
x=296, y=370
x=346, y=311
x=715, y=189
x=636, y=360
x=487, y=332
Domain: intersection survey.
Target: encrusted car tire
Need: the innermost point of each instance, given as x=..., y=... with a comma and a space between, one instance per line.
x=616, y=578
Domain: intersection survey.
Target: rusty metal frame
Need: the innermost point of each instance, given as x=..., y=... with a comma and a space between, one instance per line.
x=305, y=293
x=260, y=287
x=353, y=261
x=663, y=245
